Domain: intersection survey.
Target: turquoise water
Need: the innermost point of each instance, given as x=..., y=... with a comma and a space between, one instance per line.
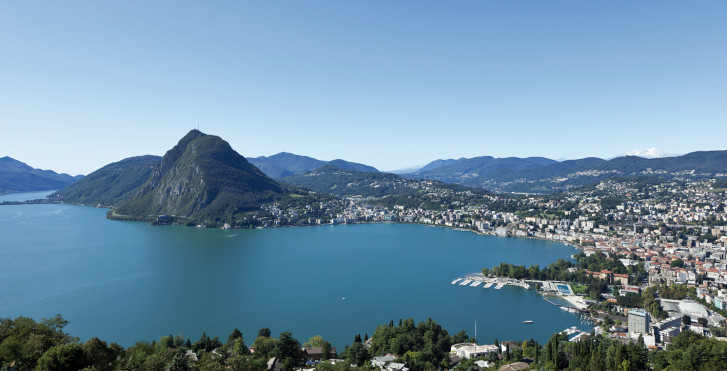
x=10, y=197
x=128, y=281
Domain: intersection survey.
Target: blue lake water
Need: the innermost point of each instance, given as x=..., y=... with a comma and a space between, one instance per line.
x=129, y=281
x=25, y=196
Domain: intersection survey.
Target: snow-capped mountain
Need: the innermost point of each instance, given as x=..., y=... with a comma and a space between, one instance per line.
x=648, y=153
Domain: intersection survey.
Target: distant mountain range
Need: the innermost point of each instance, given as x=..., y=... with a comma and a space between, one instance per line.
x=390, y=189
x=285, y=164
x=539, y=175
x=203, y=176
x=201, y=179
x=16, y=176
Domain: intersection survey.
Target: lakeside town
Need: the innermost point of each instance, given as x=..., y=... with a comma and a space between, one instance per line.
x=651, y=263
x=666, y=237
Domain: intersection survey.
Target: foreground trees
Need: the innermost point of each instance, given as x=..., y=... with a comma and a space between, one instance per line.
x=31, y=345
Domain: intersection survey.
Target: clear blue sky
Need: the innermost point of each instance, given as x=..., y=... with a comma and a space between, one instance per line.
x=386, y=83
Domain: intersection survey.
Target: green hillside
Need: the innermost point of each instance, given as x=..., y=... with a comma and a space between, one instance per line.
x=201, y=179
x=112, y=183
x=286, y=164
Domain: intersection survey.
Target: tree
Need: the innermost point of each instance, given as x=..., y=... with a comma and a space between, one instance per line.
x=265, y=347
x=287, y=346
x=326, y=350
x=99, y=355
x=206, y=344
x=178, y=363
x=236, y=334
x=597, y=361
x=263, y=332
x=239, y=347
x=678, y=263
x=210, y=362
x=315, y=341
x=702, y=321
x=357, y=354
x=239, y=363
x=24, y=340
x=686, y=320
x=62, y=357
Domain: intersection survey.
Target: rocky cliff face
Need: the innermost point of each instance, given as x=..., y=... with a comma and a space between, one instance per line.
x=202, y=177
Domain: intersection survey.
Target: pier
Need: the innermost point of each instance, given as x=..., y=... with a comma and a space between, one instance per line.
x=546, y=299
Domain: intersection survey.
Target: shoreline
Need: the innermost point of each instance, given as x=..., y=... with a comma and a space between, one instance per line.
x=574, y=301
x=118, y=217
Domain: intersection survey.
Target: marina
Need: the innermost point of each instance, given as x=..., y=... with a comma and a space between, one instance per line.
x=477, y=279
x=556, y=288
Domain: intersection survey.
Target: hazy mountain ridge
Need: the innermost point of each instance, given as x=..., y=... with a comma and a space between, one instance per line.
x=544, y=175
x=438, y=163
x=477, y=170
x=17, y=176
x=286, y=164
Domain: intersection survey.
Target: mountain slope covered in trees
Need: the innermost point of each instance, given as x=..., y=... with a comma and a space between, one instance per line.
x=112, y=183
x=286, y=164
x=202, y=177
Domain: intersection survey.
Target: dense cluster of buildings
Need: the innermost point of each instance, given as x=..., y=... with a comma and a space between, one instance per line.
x=677, y=230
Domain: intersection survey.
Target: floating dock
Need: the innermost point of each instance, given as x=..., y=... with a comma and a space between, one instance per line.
x=499, y=285
x=477, y=283
x=465, y=283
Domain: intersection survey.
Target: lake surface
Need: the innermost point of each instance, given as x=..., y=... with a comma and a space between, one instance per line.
x=129, y=281
x=25, y=196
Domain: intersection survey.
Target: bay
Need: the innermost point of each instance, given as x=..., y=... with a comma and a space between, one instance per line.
x=129, y=281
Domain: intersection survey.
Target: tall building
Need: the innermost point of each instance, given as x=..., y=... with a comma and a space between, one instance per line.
x=638, y=321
